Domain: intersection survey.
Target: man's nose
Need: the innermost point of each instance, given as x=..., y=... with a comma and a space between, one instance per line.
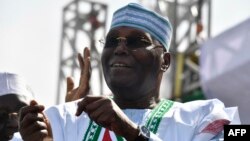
x=121, y=41
x=121, y=46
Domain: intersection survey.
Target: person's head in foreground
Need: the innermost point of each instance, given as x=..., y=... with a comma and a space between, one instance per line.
x=135, y=55
x=14, y=94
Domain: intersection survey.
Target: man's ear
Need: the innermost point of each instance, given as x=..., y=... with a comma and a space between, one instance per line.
x=166, y=62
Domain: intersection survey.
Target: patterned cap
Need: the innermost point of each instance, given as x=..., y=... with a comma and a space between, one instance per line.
x=134, y=15
x=11, y=83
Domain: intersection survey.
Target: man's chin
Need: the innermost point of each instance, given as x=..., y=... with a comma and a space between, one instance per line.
x=122, y=83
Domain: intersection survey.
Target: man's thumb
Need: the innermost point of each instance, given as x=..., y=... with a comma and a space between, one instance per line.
x=33, y=103
x=70, y=84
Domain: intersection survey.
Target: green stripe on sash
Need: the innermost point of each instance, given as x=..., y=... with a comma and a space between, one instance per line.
x=86, y=133
x=119, y=138
x=151, y=116
x=93, y=132
x=97, y=134
x=157, y=114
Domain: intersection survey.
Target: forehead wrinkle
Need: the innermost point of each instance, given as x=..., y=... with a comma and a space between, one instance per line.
x=132, y=32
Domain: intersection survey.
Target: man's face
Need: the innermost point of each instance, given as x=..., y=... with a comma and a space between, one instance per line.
x=130, y=61
x=9, y=107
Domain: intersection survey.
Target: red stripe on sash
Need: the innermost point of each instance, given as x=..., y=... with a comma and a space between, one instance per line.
x=106, y=136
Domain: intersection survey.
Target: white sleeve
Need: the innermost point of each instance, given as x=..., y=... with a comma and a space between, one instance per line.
x=62, y=120
x=233, y=113
x=56, y=120
x=234, y=118
x=201, y=120
x=215, y=116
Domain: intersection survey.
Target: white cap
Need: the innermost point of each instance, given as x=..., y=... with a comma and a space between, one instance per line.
x=11, y=83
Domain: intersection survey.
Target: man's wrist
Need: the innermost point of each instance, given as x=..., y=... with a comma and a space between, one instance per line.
x=143, y=135
x=133, y=133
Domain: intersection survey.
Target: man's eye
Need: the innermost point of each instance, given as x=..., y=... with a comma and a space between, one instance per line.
x=111, y=42
x=145, y=42
x=140, y=43
x=132, y=42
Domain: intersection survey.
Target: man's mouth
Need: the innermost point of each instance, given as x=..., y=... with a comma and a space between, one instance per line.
x=119, y=65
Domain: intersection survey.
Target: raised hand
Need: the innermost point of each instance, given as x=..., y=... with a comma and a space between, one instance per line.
x=83, y=89
x=33, y=125
x=106, y=113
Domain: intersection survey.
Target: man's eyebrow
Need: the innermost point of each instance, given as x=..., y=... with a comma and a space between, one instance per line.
x=113, y=33
x=138, y=32
x=141, y=34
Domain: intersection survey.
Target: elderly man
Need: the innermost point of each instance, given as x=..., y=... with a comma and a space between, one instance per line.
x=134, y=58
x=14, y=94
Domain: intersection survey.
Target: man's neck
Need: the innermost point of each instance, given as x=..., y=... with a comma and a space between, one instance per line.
x=148, y=102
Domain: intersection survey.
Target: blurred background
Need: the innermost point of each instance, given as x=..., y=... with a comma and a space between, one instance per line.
x=39, y=39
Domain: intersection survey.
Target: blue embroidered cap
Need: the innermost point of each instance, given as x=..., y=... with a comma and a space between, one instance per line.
x=134, y=15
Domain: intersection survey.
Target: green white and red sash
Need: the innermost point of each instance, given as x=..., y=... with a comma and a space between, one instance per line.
x=96, y=132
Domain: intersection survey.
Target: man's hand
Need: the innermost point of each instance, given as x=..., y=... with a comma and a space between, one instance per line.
x=106, y=113
x=83, y=89
x=33, y=125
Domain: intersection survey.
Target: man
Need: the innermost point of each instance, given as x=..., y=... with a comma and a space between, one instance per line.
x=14, y=94
x=134, y=59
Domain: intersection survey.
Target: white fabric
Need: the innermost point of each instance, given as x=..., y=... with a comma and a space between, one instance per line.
x=11, y=83
x=225, y=67
x=183, y=122
x=16, y=137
